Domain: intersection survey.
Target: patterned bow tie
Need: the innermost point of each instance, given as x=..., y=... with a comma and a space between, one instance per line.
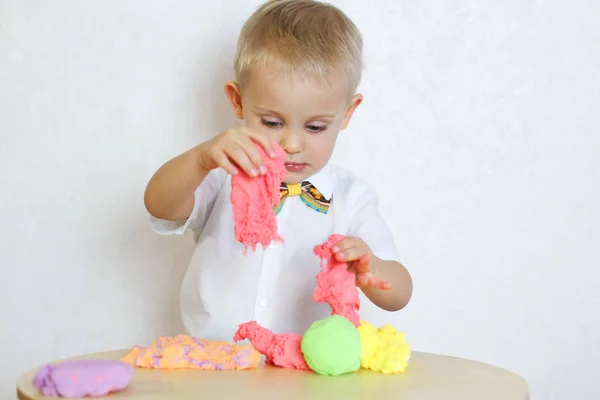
x=308, y=194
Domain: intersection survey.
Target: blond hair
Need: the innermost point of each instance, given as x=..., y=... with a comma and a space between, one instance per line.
x=301, y=37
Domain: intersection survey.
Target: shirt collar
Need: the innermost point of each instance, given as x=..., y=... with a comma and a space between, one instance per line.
x=323, y=181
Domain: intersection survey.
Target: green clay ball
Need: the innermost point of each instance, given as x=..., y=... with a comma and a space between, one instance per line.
x=332, y=346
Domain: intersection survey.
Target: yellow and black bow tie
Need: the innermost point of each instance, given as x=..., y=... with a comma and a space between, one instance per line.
x=308, y=194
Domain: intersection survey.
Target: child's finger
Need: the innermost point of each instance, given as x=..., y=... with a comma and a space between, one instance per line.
x=363, y=263
x=377, y=283
x=253, y=154
x=223, y=161
x=362, y=279
x=238, y=155
x=352, y=253
x=264, y=142
x=345, y=244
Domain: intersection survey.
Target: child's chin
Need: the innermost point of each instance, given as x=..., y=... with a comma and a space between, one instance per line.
x=291, y=178
x=291, y=181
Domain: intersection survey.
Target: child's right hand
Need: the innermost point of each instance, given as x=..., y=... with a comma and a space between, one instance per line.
x=235, y=149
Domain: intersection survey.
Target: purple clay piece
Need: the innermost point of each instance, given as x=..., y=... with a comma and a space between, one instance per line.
x=83, y=378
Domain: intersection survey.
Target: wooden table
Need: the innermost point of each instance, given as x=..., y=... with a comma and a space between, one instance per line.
x=428, y=377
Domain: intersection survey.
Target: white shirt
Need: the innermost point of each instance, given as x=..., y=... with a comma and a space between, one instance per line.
x=222, y=288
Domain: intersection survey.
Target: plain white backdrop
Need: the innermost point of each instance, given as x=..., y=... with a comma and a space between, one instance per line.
x=480, y=129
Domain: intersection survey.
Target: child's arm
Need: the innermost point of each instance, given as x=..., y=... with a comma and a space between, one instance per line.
x=170, y=192
x=387, y=283
x=400, y=292
x=370, y=251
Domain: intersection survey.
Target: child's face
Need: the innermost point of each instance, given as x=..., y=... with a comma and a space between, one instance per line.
x=303, y=116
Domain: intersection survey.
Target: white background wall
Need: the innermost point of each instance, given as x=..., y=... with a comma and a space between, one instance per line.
x=480, y=129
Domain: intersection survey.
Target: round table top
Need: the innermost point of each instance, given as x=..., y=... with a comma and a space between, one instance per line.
x=427, y=377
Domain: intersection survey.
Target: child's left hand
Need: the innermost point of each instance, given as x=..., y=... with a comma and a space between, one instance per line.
x=360, y=259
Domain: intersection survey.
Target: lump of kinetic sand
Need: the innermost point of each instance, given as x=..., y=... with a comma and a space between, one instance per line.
x=186, y=352
x=332, y=346
x=384, y=349
x=83, y=378
x=336, y=285
x=253, y=200
x=282, y=350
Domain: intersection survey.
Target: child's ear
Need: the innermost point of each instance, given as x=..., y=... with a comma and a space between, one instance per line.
x=232, y=91
x=355, y=102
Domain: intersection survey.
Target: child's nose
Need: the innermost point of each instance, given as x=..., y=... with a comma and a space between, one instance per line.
x=291, y=142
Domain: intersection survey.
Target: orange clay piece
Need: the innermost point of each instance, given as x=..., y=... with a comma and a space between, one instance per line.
x=186, y=352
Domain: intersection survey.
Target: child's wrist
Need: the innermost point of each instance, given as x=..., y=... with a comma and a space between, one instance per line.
x=201, y=158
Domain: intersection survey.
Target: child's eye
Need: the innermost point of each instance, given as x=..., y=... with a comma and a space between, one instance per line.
x=316, y=128
x=270, y=124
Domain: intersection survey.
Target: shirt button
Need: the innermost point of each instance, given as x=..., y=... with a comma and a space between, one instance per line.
x=264, y=302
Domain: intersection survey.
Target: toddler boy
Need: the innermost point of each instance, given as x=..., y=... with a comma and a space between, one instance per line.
x=297, y=66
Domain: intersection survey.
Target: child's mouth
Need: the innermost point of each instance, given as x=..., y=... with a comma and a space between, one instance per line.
x=295, y=167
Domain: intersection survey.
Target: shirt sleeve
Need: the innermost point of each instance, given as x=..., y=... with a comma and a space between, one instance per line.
x=204, y=199
x=367, y=224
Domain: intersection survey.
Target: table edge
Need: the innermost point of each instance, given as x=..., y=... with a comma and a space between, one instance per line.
x=22, y=396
